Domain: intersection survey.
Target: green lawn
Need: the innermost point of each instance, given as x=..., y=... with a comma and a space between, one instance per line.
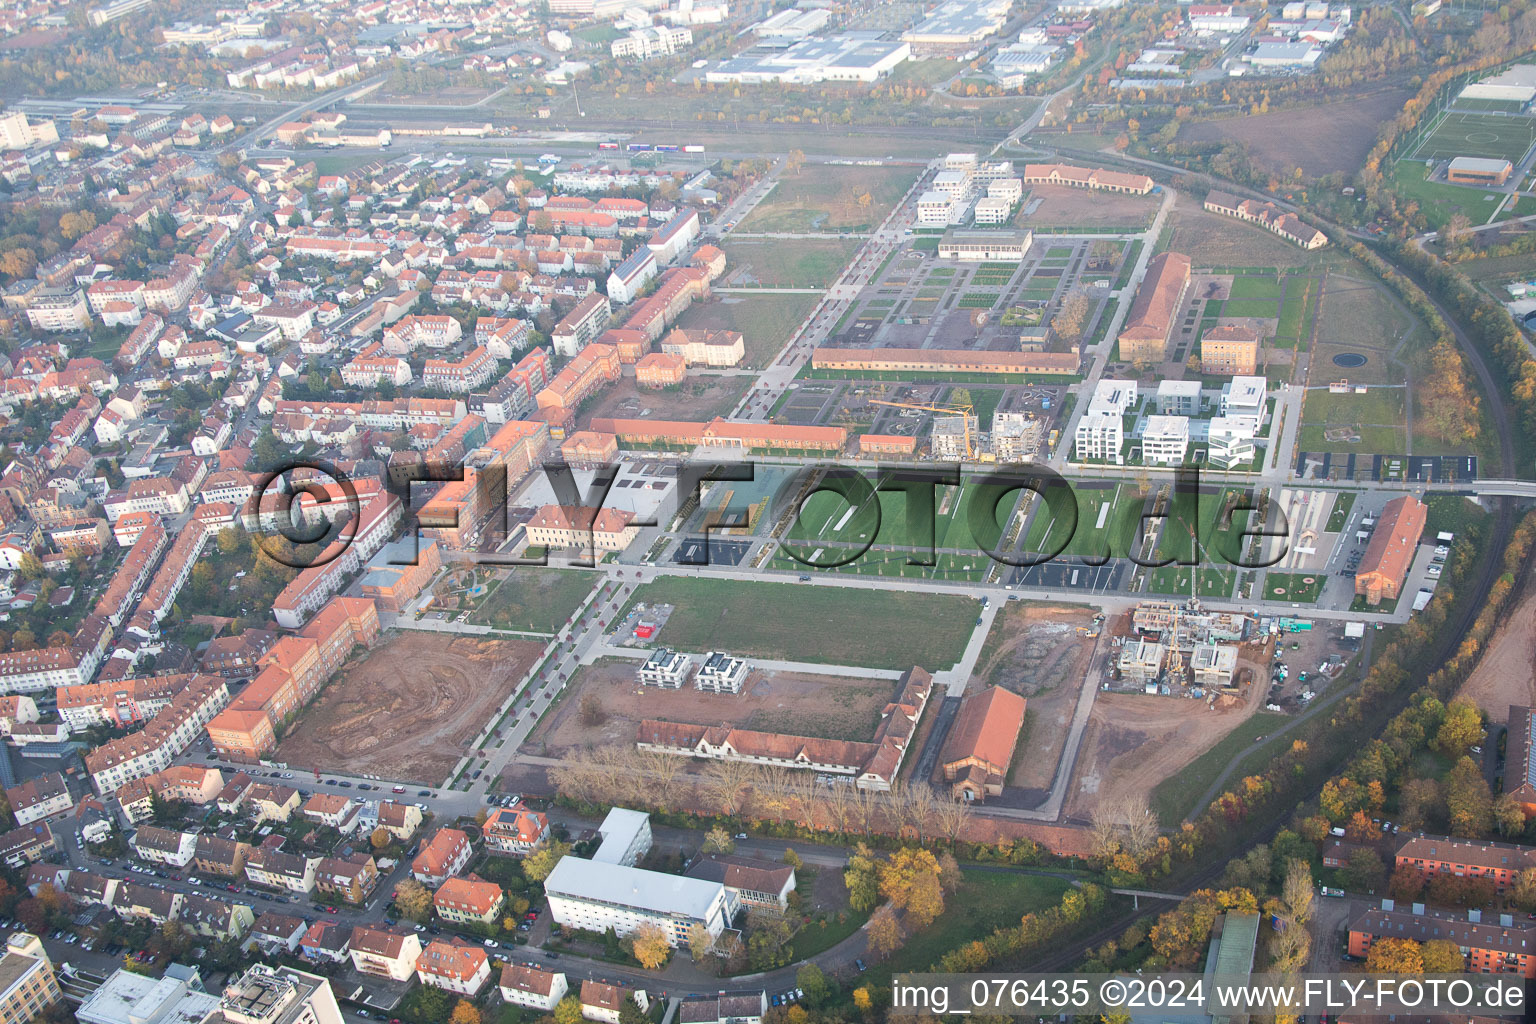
x=1294, y=586
x=1210, y=581
x=1122, y=523
x=834, y=625
x=1174, y=798
x=537, y=599
x=1338, y=514
x=830, y=198
x=985, y=901
x=765, y=321
x=791, y=262
x=1262, y=308
x=1438, y=201
x=1377, y=418
x=1255, y=288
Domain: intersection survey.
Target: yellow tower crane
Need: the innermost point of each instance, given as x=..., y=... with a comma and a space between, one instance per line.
x=965, y=412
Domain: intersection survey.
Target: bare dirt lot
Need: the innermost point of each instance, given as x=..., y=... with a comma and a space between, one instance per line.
x=1507, y=673
x=1321, y=139
x=1063, y=206
x=1036, y=650
x=696, y=398
x=1134, y=741
x=832, y=707
x=408, y=710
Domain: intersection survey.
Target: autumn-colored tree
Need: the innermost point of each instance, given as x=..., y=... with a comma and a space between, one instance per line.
x=1442, y=957
x=719, y=840
x=910, y=880
x=861, y=879
x=1394, y=956
x=884, y=933
x=568, y=1011
x=465, y=1012
x=700, y=942
x=1362, y=829
x=538, y=864
x=651, y=946
x=1461, y=728
x=792, y=858
x=1468, y=800
x=413, y=899
x=862, y=999
x=379, y=838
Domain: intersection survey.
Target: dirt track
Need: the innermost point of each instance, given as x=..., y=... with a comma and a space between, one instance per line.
x=1507, y=672
x=410, y=708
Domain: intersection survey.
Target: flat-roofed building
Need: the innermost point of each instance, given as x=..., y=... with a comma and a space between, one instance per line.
x=1229, y=442
x=666, y=669
x=1165, y=440
x=1472, y=170
x=1213, y=665
x=1141, y=661
x=720, y=673
x=1178, y=398
x=970, y=246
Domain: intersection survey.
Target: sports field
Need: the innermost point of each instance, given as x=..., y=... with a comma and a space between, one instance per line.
x=1293, y=586
x=1496, y=136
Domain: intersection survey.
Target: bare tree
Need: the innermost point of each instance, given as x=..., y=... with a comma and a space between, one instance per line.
x=839, y=808
x=660, y=772
x=922, y=807
x=723, y=784
x=802, y=793
x=893, y=804
x=862, y=805
x=951, y=817
x=1140, y=827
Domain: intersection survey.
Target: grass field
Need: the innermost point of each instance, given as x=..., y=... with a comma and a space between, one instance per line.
x=536, y=599
x=765, y=321
x=1209, y=581
x=789, y=262
x=1372, y=423
x=830, y=198
x=831, y=625
x=1305, y=587
x=1174, y=798
x=1494, y=136
x=1114, y=536
x=986, y=900
x=1439, y=202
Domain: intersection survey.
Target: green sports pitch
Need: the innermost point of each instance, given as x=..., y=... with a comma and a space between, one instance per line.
x=1492, y=136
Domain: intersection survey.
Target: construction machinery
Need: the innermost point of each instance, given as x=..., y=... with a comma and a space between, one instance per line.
x=966, y=413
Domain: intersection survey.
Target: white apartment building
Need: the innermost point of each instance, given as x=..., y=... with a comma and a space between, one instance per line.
x=938, y=209
x=1230, y=442
x=595, y=896
x=991, y=210
x=1101, y=432
x=1243, y=398
x=1178, y=397
x=59, y=309
x=626, y=837
x=666, y=669
x=658, y=41
x=720, y=673
x=1165, y=440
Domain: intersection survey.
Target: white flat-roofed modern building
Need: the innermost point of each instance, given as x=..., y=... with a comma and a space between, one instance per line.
x=596, y=896
x=1165, y=440
x=1230, y=442
x=1178, y=397
x=666, y=669
x=1243, y=399
x=721, y=673
x=626, y=837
